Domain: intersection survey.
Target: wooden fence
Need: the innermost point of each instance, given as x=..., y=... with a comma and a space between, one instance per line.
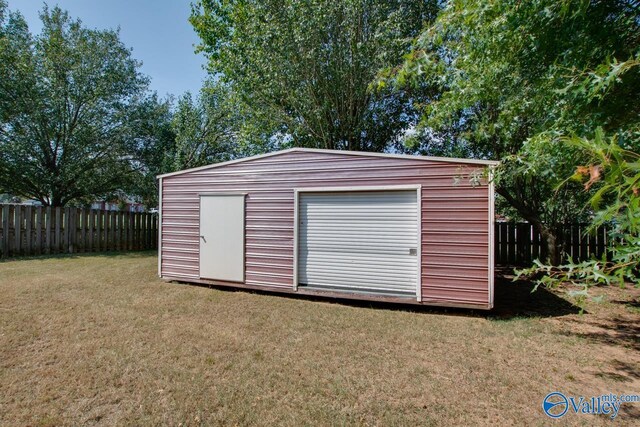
x=519, y=243
x=46, y=230
x=36, y=230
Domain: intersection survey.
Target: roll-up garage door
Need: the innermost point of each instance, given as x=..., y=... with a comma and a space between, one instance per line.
x=361, y=241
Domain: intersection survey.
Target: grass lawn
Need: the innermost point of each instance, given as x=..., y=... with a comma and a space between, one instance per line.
x=99, y=339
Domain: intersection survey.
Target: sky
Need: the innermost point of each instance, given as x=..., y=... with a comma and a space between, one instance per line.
x=156, y=30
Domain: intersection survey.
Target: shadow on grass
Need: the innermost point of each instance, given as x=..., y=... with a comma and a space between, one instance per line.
x=513, y=300
x=615, y=331
x=110, y=254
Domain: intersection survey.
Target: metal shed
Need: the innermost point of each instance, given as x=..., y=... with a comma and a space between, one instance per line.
x=346, y=224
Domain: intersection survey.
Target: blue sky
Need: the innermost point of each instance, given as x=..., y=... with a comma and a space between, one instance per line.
x=157, y=30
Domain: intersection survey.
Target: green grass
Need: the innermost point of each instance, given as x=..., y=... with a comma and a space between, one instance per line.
x=101, y=340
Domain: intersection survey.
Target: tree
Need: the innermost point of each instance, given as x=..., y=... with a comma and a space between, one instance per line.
x=67, y=97
x=303, y=68
x=190, y=132
x=153, y=146
x=500, y=71
x=205, y=128
x=612, y=169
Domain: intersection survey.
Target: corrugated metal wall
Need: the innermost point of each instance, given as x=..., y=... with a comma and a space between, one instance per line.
x=455, y=216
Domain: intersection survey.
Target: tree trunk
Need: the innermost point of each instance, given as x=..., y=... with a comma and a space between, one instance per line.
x=56, y=200
x=551, y=251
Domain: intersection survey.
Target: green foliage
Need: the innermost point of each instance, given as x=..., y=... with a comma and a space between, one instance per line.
x=302, y=69
x=190, y=132
x=620, y=187
x=203, y=128
x=154, y=145
x=505, y=76
x=67, y=101
x=612, y=168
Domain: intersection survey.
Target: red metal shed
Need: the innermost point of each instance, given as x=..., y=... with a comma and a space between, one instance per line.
x=371, y=226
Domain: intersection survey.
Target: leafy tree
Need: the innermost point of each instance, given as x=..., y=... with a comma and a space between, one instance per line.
x=501, y=72
x=612, y=168
x=190, y=132
x=67, y=98
x=153, y=146
x=303, y=68
x=204, y=128
x=618, y=172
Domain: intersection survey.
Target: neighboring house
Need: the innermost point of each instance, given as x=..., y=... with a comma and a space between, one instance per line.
x=128, y=206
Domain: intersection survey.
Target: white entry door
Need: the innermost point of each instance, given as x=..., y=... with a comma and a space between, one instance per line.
x=360, y=241
x=222, y=237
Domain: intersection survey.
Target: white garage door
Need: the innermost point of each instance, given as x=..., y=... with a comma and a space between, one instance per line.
x=364, y=241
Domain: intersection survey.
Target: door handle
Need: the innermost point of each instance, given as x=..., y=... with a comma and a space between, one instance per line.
x=203, y=239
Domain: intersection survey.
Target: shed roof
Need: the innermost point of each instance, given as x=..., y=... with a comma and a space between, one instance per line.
x=339, y=152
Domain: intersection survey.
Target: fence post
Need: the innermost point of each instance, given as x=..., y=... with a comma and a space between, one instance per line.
x=57, y=232
x=527, y=243
x=72, y=230
x=143, y=230
x=152, y=239
x=38, y=225
x=107, y=231
x=123, y=232
x=89, y=226
x=575, y=243
x=83, y=231
x=584, y=240
x=116, y=231
x=512, y=243
x=17, y=230
x=601, y=239
x=28, y=216
x=48, y=219
x=535, y=243
x=155, y=231
x=139, y=245
x=131, y=229
x=149, y=231
x=65, y=230
x=112, y=231
x=104, y=223
x=96, y=231
x=5, y=231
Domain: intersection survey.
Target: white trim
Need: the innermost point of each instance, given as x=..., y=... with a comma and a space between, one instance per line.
x=419, y=246
x=338, y=152
x=160, y=227
x=296, y=202
x=492, y=228
x=296, y=220
x=358, y=188
x=222, y=194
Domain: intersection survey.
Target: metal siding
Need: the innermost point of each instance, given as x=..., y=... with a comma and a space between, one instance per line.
x=159, y=227
x=359, y=241
x=455, y=229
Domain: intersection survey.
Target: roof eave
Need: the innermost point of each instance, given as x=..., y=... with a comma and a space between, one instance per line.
x=339, y=152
